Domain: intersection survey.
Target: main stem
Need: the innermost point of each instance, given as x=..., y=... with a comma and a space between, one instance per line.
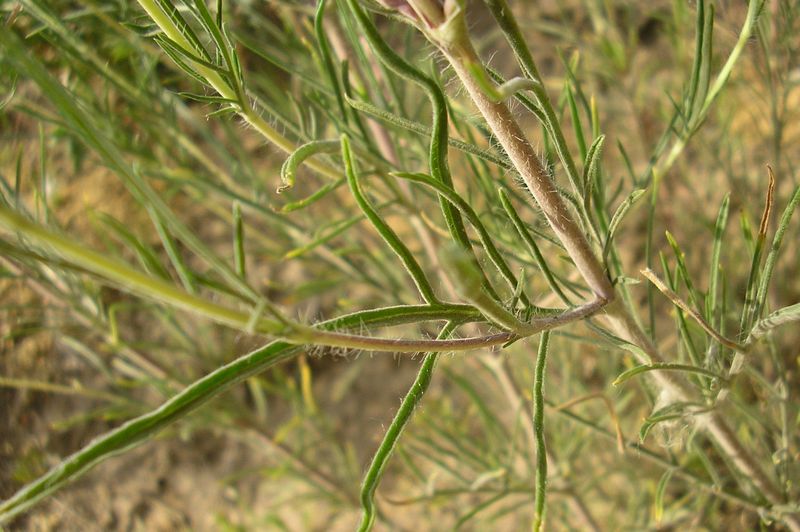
x=527, y=164
x=533, y=173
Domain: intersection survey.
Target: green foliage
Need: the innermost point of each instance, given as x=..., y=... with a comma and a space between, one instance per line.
x=380, y=238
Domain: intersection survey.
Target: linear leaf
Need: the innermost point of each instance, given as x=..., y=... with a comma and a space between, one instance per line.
x=661, y=489
x=713, y=283
x=390, y=439
x=591, y=170
x=298, y=156
x=389, y=236
x=619, y=216
x=664, y=366
x=776, y=319
x=772, y=256
x=538, y=427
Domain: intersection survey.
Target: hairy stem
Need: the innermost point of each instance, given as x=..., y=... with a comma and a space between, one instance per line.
x=215, y=80
x=463, y=59
x=533, y=173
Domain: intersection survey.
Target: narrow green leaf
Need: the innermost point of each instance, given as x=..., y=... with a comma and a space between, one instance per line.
x=238, y=241
x=701, y=65
x=215, y=31
x=628, y=164
x=661, y=489
x=538, y=427
x=410, y=125
x=754, y=9
x=146, y=254
x=680, y=317
x=618, y=217
x=207, y=99
x=332, y=232
x=697, y=60
x=652, y=421
x=316, y=196
x=486, y=239
x=776, y=319
x=437, y=155
x=683, y=271
x=772, y=256
x=171, y=12
x=713, y=282
x=327, y=56
x=523, y=232
x=640, y=354
x=298, y=156
x=706, y=62
x=577, y=125
x=475, y=510
x=591, y=170
x=223, y=111
x=184, y=273
x=289, y=67
x=389, y=236
x=185, y=57
x=393, y=433
x=665, y=366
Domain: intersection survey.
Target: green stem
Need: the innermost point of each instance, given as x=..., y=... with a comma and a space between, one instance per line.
x=128, y=278
x=134, y=281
